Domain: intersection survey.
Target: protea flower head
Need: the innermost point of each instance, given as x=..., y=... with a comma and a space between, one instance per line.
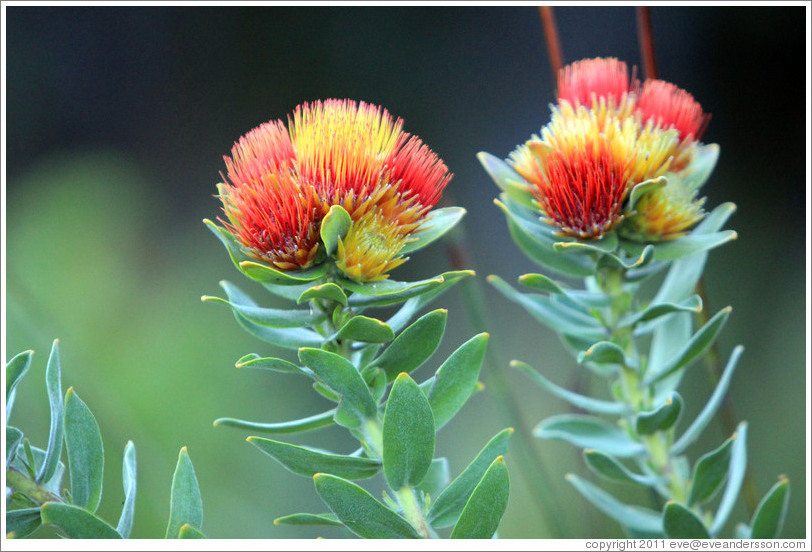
x=333, y=152
x=600, y=84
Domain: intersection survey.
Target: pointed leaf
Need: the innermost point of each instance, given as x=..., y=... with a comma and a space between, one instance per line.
x=269, y=318
x=483, y=511
x=581, y=401
x=710, y=408
x=235, y=252
x=15, y=370
x=359, y=511
x=413, y=305
x=366, y=330
x=266, y=275
x=287, y=338
x=434, y=226
x=76, y=522
x=309, y=519
x=327, y=292
x=190, y=532
x=85, y=453
x=609, y=468
x=662, y=418
x=632, y=517
x=456, y=379
x=696, y=347
x=254, y=361
x=436, y=478
x=125, y=522
x=681, y=523
x=589, y=432
x=604, y=352
x=735, y=477
x=400, y=292
x=643, y=188
x=414, y=345
x=692, y=304
x=53, y=382
x=605, y=244
x=340, y=375
x=709, y=473
x=308, y=462
x=294, y=426
x=772, y=510
x=23, y=522
x=408, y=434
x=446, y=509
x=334, y=226
x=185, y=504
x=13, y=439
x=508, y=180
x=385, y=287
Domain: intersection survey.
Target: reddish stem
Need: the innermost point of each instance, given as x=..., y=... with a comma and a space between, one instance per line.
x=551, y=36
x=645, y=36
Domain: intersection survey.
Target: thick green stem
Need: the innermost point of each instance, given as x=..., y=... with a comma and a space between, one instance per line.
x=19, y=482
x=412, y=511
x=373, y=436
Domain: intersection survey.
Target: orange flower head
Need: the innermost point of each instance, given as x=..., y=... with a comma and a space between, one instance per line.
x=283, y=181
x=370, y=248
x=596, y=82
x=672, y=107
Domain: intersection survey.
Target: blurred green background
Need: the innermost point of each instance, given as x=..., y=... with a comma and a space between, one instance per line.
x=117, y=121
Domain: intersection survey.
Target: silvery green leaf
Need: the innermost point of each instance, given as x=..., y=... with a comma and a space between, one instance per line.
x=589, y=432
x=15, y=370
x=709, y=473
x=13, y=439
x=643, y=188
x=413, y=305
x=307, y=462
x=21, y=523
x=436, y=224
x=632, y=517
x=436, y=478
x=735, y=477
x=413, y=346
x=76, y=523
x=653, y=311
x=609, y=468
x=241, y=303
x=364, y=329
x=334, y=226
x=294, y=426
x=185, y=504
x=327, y=291
x=329, y=520
x=53, y=383
x=771, y=512
x=456, y=380
x=681, y=523
x=661, y=418
x=266, y=275
x=482, y=513
x=255, y=362
x=83, y=444
x=125, y=522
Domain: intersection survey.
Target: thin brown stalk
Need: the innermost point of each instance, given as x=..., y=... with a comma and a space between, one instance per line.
x=645, y=36
x=553, y=44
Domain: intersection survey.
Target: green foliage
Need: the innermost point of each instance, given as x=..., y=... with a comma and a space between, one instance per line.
x=37, y=501
x=362, y=363
x=634, y=437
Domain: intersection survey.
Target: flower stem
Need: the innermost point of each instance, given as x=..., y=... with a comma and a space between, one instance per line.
x=551, y=36
x=645, y=36
x=412, y=511
x=21, y=483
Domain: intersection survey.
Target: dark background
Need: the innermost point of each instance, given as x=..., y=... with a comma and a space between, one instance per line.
x=117, y=121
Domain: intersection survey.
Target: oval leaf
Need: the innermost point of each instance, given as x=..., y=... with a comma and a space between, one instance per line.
x=446, y=509
x=23, y=522
x=769, y=517
x=589, y=432
x=334, y=226
x=266, y=275
x=681, y=523
x=270, y=318
x=456, y=379
x=53, y=383
x=359, y=511
x=609, y=468
x=85, y=453
x=15, y=370
x=366, y=330
x=76, y=522
x=309, y=519
x=662, y=418
x=185, y=504
x=308, y=462
x=408, y=434
x=254, y=361
x=436, y=225
x=413, y=346
x=483, y=511
x=709, y=473
x=326, y=292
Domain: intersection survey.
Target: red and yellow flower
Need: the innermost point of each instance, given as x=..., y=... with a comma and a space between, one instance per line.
x=282, y=181
x=608, y=134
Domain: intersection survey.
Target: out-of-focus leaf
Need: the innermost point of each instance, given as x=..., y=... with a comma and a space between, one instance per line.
x=309, y=519
x=735, y=477
x=15, y=370
x=125, y=522
x=456, y=379
x=436, y=225
x=185, y=504
x=190, y=532
x=632, y=517
x=13, y=439
x=709, y=473
x=508, y=180
x=708, y=411
x=685, y=246
x=589, y=432
x=481, y=515
x=85, y=453
x=639, y=260
x=308, y=462
x=408, y=434
x=662, y=418
x=550, y=314
x=294, y=426
x=643, y=188
x=341, y=376
x=334, y=226
x=364, y=329
x=691, y=304
x=76, y=522
x=609, y=468
x=605, y=352
x=446, y=509
x=359, y=511
x=605, y=244
x=327, y=291
x=53, y=383
x=23, y=522
x=696, y=346
x=769, y=517
x=270, y=318
x=413, y=346
x=581, y=401
x=254, y=361
x=681, y=523
x=436, y=478
x=581, y=298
